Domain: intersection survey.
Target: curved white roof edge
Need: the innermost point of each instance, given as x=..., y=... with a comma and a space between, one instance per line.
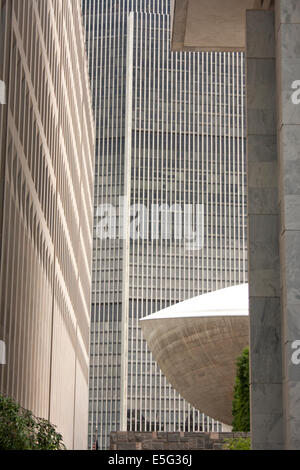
x=231, y=301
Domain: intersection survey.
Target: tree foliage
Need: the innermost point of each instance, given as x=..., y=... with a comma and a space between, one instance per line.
x=21, y=430
x=241, y=400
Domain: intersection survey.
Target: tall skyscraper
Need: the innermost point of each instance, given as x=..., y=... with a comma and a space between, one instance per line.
x=169, y=133
x=46, y=211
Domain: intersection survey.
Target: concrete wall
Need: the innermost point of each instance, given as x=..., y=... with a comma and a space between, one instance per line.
x=263, y=227
x=288, y=126
x=171, y=440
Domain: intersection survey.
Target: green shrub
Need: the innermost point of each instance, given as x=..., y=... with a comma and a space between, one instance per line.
x=239, y=443
x=21, y=430
x=241, y=400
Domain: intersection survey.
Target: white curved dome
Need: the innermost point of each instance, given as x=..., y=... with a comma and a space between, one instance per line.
x=229, y=301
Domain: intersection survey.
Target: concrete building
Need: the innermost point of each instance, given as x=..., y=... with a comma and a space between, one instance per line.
x=269, y=32
x=46, y=184
x=196, y=344
x=169, y=130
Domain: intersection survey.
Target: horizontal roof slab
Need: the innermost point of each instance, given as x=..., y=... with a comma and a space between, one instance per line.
x=211, y=25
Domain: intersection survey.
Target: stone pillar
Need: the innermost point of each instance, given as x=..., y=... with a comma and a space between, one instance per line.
x=288, y=125
x=263, y=230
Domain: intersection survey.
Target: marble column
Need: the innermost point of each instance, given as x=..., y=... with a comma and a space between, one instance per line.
x=263, y=233
x=288, y=127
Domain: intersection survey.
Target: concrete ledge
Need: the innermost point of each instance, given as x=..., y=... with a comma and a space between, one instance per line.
x=2, y=92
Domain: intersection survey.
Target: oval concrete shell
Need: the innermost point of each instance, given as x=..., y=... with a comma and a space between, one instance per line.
x=196, y=344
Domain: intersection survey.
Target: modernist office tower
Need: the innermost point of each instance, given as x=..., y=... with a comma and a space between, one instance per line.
x=47, y=160
x=169, y=130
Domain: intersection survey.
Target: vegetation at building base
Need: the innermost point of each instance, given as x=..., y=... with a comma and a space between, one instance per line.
x=241, y=405
x=238, y=443
x=21, y=430
x=241, y=400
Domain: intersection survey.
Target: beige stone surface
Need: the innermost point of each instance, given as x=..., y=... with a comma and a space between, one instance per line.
x=46, y=212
